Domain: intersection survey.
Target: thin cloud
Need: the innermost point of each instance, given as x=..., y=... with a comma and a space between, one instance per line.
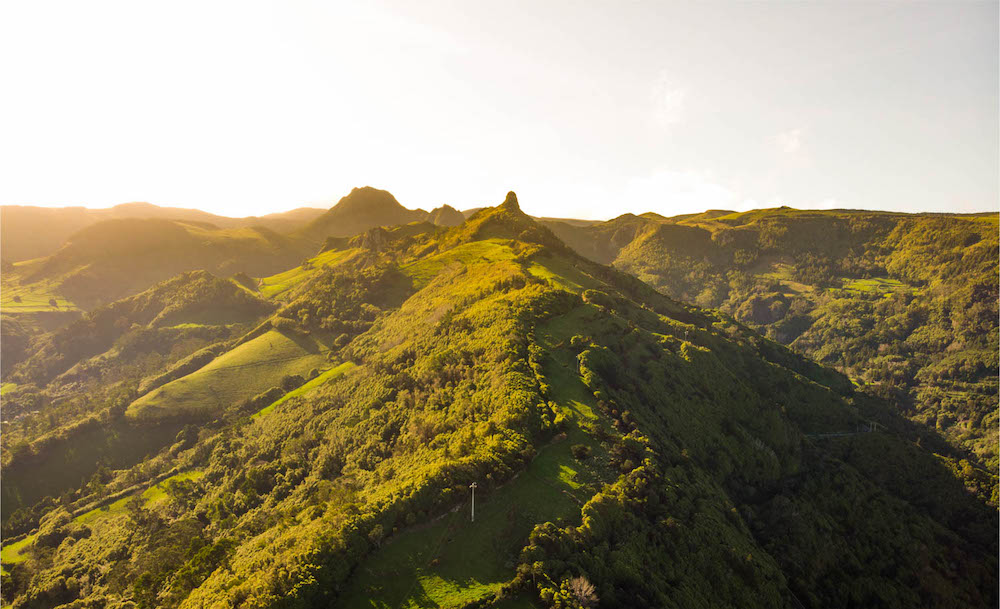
x=670, y=193
x=790, y=141
x=669, y=100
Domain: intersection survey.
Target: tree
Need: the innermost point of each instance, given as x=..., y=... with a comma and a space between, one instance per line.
x=376, y=535
x=584, y=591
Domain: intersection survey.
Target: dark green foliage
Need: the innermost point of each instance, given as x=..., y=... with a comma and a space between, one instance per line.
x=467, y=364
x=904, y=304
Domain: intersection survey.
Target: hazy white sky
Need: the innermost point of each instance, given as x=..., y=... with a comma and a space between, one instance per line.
x=586, y=109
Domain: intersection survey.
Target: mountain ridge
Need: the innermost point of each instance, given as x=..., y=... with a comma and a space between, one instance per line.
x=665, y=454
x=49, y=228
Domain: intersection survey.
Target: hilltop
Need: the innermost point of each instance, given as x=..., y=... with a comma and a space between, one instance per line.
x=626, y=447
x=117, y=258
x=446, y=215
x=28, y=232
x=904, y=304
x=366, y=208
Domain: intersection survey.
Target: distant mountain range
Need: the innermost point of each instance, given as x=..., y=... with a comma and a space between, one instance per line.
x=28, y=232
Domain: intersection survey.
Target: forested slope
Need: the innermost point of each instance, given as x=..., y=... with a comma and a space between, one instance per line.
x=904, y=304
x=628, y=450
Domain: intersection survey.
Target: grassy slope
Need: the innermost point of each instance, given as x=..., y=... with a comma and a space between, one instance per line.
x=153, y=495
x=276, y=286
x=325, y=377
x=561, y=275
x=34, y=297
x=118, y=258
x=490, y=250
x=452, y=560
x=247, y=370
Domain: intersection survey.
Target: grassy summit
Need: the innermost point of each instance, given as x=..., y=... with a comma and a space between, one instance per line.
x=662, y=454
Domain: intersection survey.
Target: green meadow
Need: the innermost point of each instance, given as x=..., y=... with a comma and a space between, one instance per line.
x=877, y=285
x=329, y=375
x=34, y=298
x=276, y=286
x=561, y=274
x=490, y=250
x=249, y=369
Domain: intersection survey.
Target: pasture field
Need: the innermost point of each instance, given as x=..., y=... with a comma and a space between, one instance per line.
x=278, y=285
x=249, y=369
x=877, y=285
x=560, y=274
x=490, y=250
x=329, y=375
x=33, y=298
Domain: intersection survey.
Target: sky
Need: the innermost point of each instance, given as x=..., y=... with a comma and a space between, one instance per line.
x=585, y=109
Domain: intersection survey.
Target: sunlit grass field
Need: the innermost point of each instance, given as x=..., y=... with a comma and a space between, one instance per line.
x=33, y=298
x=877, y=285
x=490, y=250
x=249, y=369
x=277, y=285
x=325, y=377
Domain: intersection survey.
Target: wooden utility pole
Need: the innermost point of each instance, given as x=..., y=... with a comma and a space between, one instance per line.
x=473, y=487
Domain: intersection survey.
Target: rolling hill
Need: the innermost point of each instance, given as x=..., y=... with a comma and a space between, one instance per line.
x=628, y=450
x=905, y=304
x=117, y=258
x=63, y=404
x=28, y=232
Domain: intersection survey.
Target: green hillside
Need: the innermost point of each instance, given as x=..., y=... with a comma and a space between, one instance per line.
x=28, y=232
x=904, y=304
x=324, y=377
x=276, y=286
x=117, y=258
x=64, y=404
x=628, y=450
x=243, y=372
